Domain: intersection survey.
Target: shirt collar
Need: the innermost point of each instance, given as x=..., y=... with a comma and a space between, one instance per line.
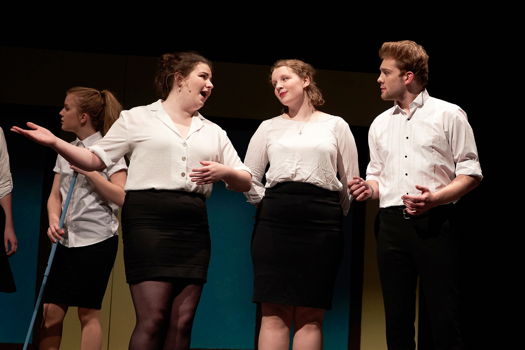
x=196, y=123
x=90, y=140
x=418, y=102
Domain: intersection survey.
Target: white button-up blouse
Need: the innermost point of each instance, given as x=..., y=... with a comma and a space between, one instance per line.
x=320, y=152
x=159, y=157
x=90, y=218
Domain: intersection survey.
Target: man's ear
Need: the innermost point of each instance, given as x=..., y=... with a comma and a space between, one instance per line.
x=409, y=77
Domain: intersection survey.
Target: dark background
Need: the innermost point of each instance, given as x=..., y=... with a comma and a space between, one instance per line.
x=466, y=62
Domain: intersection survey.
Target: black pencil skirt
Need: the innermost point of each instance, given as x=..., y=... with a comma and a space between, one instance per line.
x=165, y=235
x=297, y=245
x=79, y=276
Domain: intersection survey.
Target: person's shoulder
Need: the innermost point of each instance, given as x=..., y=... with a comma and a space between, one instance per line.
x=140, y=111
x=272, y=120
x=444, y=105
x=448, y=111
x=325, y=117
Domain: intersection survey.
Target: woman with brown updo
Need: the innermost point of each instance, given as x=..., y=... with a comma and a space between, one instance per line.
x=175, y=157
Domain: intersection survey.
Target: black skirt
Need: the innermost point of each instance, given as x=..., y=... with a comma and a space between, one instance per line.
x=7, y=282
x=79, y=276
x=166, y=236
x=297, y=245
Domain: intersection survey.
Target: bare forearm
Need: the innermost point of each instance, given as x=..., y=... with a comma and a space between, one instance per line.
x=108, y=190
x=54, y=209
x=6, y=203
x=81, y=157
x=238, y=180
x=460, y=186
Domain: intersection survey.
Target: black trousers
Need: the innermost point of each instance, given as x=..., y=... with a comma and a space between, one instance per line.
x=424, y=246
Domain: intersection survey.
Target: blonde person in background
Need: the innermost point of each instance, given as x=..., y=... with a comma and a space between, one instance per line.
x=87, y=244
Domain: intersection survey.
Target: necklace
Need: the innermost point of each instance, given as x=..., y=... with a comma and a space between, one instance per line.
x=302, y=127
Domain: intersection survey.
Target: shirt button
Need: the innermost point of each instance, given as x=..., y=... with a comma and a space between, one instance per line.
x=184, y=144
x=182, y=174
x=407, y=137
x=406, y=174
x=183, y=158
x=405, y=156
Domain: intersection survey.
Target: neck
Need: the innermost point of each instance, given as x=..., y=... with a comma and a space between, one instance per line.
x=407, y=98
x=176, y=108
x=85, y=132
x=303, y=112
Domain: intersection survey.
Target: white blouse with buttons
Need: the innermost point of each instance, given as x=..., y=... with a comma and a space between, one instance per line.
x=320, y=152
x=160, y=158
x=90, y=218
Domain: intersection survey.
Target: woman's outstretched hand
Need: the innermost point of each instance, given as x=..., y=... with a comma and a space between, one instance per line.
x=36, y=133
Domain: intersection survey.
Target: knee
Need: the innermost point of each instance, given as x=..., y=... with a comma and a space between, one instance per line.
x=152, y=323
x=308, y=319
x=88, y=316
x=53, y=315
x=276, y=316
x=185, y=321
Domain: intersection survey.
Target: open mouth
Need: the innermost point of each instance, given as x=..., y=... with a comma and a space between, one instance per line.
x=204, y=94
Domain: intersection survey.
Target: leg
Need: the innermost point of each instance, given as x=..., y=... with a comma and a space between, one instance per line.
x=275, y=326
x=308, y=328
x=91, y=338
x=438, y=262
x=182, y=314
x=398, y=276
x=52, y=323
x=152, y=301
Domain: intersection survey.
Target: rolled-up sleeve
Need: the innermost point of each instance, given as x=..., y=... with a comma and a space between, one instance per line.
x=115, y=144
x=463, y=146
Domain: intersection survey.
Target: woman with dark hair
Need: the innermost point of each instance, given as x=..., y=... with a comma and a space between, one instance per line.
x=297, y=240
x=175, y=157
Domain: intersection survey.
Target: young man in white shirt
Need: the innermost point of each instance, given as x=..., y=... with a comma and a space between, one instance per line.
x=423, y=158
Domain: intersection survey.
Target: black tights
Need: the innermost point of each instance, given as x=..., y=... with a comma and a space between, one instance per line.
x=165, y=312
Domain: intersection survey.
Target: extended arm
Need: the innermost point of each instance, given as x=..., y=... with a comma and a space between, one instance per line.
x=81, y=157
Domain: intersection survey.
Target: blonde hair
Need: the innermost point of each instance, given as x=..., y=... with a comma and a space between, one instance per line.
x=409, y=56
x=102, y=106
x=303, y=70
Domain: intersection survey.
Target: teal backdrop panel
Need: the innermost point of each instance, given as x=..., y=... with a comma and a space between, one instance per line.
x=28, y=168
x=226, y=316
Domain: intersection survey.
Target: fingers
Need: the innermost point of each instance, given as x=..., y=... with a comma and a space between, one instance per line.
x=11, y=247
x=33, y=125
x=17, y=130
x=54, y=233
x=359, y=189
